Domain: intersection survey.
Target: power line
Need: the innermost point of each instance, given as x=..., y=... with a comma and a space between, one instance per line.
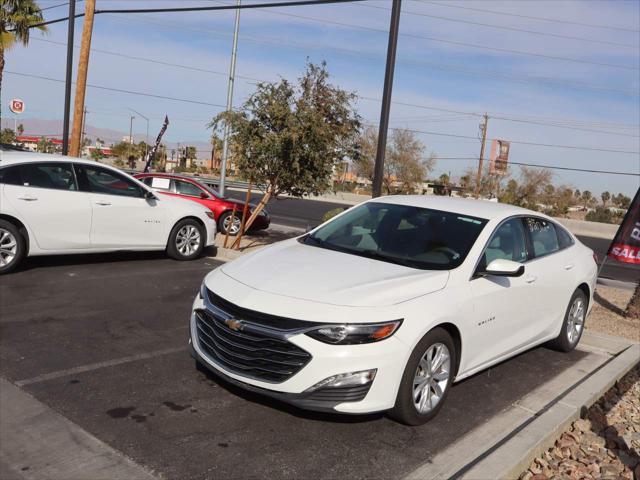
x=512, y=29
x=522, y=142
x=118, y=90
x=531, y=17
x=375, y=57
x=457, y=43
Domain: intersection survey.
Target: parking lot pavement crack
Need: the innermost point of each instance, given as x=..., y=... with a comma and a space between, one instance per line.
x=95, y=366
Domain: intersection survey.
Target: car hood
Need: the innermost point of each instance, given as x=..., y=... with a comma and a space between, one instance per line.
x=293, y=269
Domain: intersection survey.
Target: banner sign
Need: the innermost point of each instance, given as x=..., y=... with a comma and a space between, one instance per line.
x=151, y=155
x=626, y=244
x=499, y=157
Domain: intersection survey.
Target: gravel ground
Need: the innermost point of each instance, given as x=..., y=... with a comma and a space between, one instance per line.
x=607, y=314
x=605, y=444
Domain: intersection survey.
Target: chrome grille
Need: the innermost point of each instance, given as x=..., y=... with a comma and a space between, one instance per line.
x=251, y=352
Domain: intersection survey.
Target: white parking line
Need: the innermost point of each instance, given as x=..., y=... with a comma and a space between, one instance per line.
x=95, y=366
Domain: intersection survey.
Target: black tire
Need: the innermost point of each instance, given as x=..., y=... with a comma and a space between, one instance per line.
x=224, y=218
x=404, y=410
x=565, y=342
x=11, y=242
x=181, y=229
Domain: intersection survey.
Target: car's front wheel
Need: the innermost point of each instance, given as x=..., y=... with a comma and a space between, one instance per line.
x=573, y=324
x=426, y=379
x=186, y=240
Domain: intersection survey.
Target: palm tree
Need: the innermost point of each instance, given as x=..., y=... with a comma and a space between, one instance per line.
x=16, y=17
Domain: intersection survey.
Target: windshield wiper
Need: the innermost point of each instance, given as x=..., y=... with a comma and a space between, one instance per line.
x=374, y=254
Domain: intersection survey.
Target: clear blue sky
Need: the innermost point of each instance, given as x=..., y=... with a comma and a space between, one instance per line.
x=592, y=85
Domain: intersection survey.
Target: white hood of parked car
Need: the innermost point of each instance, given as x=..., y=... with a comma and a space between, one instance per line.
x=316, y=274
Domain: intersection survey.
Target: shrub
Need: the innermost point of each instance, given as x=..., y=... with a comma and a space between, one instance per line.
x=332, y=213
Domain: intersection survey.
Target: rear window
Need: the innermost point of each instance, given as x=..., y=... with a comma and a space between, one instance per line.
x=564, y=239
x=51, y=175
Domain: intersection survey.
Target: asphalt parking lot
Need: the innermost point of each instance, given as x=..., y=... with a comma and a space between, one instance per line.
x=102, y=340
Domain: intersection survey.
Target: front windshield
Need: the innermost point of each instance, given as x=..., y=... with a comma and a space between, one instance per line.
x=411, y=236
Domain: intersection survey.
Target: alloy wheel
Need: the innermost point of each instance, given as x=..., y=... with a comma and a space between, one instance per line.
x=431, y=378
x=8, y=247
x=231, y=227
x=188, y=240
x=575, y=321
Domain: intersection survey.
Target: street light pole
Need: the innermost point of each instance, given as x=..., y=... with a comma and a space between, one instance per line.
x=378, y=170
x=69, y=74
x=232, y=73
x=146, y=147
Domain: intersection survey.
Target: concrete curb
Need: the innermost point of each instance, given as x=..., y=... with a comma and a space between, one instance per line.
x=40, y=443
x=513, y=456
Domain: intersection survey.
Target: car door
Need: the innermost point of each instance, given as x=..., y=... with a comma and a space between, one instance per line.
x=549, y=270
x=501, y=305
x=46, y=195
x=192, y=191
x=122, y=216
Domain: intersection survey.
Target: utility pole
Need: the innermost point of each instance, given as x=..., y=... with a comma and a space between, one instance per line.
x=84, y=123
x=232, y=74
x=67, y=86
x=81, y=83
x=378, y=170
x=483, y=127
x=131, y=133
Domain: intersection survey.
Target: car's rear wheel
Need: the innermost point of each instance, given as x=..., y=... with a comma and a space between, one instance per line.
x=186, y=240
x=12, y=247
x=229, y=223
x=426, y=379
x=573, y=324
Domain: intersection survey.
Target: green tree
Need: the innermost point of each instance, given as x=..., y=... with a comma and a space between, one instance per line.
x=96, y=154
x=621, y=201
x=20, y=129
x=605, y=196
x=7, y=135
x=444, y=179
x=365, y=156
x=289, y=137
x=16, y=16
x=586, y=198
x=45, y=145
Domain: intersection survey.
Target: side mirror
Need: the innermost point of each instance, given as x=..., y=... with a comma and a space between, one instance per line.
x=148, y=195
x=504, y=268
x=203, y=195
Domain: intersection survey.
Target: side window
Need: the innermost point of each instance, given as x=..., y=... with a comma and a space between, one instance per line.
x=186, y=188
x=11, y=175
x=543, y=236
x=100, y=180
x=564, y=239
x=508, y=243
x=54, y=175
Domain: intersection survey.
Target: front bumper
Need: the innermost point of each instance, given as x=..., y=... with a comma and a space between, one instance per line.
x=388, y=357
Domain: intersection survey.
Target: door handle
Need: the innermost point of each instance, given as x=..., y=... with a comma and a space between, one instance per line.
x=103, y=204
x=568, y=266
x=28, y=198
x=530, y=278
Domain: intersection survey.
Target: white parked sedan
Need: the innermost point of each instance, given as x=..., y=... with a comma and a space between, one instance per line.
x=389, y=303
x=59, y=205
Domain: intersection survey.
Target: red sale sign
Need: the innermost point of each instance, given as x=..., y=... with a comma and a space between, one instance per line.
x=16, y=106
x=626, y=244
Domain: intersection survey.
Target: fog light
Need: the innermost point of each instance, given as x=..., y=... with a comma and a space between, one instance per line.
x=351, y=379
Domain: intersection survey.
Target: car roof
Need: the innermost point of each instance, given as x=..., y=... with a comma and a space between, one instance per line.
x=479, y=208
x=167, y=175
x=13, y=157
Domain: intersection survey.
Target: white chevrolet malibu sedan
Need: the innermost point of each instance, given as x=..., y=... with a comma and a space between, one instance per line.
x=52, y=204
x=389, y=303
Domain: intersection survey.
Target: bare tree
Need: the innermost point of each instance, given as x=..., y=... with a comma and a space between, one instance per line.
x=405, y=162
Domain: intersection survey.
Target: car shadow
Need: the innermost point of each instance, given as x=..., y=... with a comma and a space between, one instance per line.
x=46, y=261
x=603, y=302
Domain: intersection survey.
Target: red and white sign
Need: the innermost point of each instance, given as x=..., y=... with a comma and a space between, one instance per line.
x=16, y=106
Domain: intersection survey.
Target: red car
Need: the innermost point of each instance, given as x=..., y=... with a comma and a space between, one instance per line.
x=222, y=208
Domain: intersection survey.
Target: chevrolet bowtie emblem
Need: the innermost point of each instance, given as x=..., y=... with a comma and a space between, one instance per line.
x=234, y=324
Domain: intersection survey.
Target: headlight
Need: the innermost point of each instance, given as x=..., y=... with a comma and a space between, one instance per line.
x=263, y=213
x=353, y=334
